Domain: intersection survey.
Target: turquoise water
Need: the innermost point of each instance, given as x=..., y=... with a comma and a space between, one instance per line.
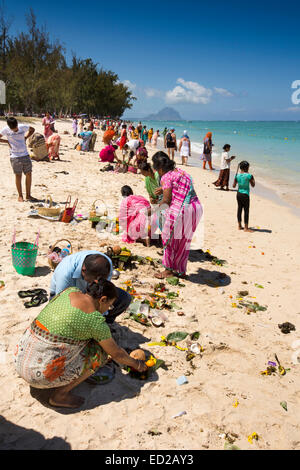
x=272, y=148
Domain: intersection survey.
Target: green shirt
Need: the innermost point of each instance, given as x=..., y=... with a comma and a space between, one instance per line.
x=152, y=184
x=243, y=180
x=61, y=318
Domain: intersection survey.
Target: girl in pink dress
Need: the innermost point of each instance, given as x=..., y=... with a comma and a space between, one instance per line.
x=133, y=217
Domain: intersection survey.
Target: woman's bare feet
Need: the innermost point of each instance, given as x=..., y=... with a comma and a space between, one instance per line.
x=164, y=274
x=246, y=229
x=61, y=399
x=240, y=227
x=20, y=199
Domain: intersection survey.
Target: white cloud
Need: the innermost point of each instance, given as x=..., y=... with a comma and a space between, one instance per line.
x=153, y=93
x=129, y=84
x=223, y=92
x=189, y=92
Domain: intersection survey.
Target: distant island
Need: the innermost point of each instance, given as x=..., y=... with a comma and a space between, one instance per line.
x=166, y=114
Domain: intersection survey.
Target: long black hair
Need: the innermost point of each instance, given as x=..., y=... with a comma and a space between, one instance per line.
x=102, y=288
x=161, y=161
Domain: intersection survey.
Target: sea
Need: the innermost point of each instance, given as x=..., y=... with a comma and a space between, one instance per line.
x=271, y=147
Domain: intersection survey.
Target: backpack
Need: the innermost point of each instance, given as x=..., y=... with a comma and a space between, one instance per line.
x=169, y=137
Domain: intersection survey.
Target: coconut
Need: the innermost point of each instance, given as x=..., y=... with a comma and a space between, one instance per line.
x=117, y=250
x=138, y=354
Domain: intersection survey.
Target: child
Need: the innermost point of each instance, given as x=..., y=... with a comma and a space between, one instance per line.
x=224, y=175
x=243, y=180
x=19, y=158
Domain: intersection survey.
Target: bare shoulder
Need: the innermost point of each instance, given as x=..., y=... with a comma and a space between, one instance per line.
x=82, y=302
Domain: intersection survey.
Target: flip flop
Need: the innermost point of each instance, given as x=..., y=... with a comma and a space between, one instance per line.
x=103, y=376
x=36, y=301
x=31, y=293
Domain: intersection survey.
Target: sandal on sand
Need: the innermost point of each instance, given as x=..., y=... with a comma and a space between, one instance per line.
x=36, y=301
x=31, y=293
x=103, y=376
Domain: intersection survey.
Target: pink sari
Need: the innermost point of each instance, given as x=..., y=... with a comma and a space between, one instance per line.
x=53, y=147
x=133, y=218
x=181, y=220
x=47, y=128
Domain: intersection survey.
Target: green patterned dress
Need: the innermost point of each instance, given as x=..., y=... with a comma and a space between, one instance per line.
x=61, y=344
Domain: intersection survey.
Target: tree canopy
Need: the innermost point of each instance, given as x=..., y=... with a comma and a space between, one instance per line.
x=39, y=79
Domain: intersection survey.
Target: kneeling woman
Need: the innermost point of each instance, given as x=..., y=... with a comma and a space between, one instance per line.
x=69, y=341
x=133, y=217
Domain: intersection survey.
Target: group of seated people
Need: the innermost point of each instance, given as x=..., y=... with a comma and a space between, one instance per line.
x=134, y=153
x=42, y=150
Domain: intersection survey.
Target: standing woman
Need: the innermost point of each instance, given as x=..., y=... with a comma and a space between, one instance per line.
x=124, y=138
x=75, y=125
x=207, y=151
x=47, y=121
x=155, y=139
x=81, y=125
x=150, y=135
x=185, y=148
x=181, y=217
x=145, y=135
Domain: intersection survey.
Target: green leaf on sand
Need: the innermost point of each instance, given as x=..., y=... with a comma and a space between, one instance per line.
x=284, y=405
x=177, y=336
x=195, y=336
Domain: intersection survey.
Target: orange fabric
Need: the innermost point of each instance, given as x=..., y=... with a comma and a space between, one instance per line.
x=42, y=327
x=208, y=135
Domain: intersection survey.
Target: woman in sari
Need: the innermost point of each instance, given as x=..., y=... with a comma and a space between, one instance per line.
x=133, y=217
x=181, y=217
x=47, y=122
x=124, y=139
x=53, y=147
x=69, y=341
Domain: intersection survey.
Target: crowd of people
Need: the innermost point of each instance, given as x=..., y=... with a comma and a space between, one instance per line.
x=71, y=339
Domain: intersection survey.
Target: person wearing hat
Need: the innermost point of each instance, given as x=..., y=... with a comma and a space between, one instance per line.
x=171, y=143
x=185, y=148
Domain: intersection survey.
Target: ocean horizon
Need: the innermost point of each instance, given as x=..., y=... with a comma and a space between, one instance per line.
x=271, y=147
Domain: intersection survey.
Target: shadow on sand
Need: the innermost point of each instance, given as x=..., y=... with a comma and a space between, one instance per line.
x=14, y=437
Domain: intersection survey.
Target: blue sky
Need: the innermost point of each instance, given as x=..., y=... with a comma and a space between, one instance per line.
x=224, y=60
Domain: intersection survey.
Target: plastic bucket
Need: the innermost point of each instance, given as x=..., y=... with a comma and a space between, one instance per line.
x=24, y=256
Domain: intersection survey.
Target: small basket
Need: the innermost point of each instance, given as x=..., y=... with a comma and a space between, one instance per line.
x=93, y=211
x=49, y=211
x=24, y=256
x=52, y=263
x=69, y=211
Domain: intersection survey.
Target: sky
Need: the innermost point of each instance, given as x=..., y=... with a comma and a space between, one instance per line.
x=221, y=60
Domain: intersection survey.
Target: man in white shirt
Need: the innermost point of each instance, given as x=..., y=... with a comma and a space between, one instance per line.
x=20, y=161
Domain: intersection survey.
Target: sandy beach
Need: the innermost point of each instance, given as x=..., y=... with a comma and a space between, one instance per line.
x=226, y=397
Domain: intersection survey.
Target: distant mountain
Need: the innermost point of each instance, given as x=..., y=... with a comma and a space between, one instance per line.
x=166, y=114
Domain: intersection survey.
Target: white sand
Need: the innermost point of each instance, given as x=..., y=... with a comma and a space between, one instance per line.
x=237, y=346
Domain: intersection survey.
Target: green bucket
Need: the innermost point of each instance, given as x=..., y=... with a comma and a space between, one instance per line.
x=24, y=257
